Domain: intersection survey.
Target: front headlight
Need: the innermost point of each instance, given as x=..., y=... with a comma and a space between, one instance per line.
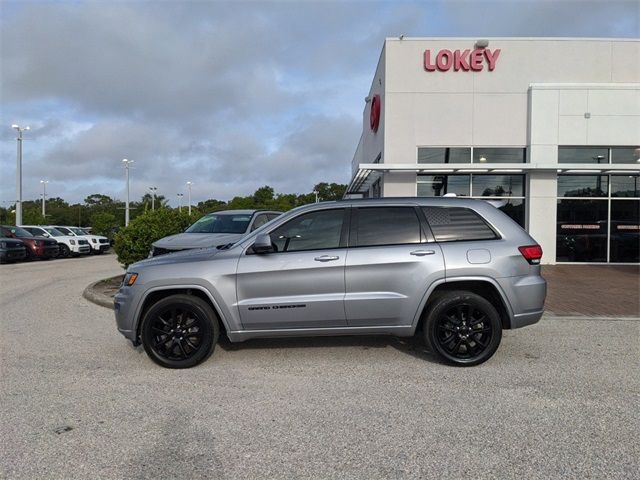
x=129, y=279
x=94, y=240
x=38, y=243
x=72, y=242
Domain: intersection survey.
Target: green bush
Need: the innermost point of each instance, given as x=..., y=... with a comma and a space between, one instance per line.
x=133, y=243
x=103, y=223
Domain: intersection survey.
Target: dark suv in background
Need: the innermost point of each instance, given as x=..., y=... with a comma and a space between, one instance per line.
x=36, y=247
x=12, y=250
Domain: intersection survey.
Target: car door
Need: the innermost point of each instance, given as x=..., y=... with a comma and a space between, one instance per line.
x=300, y=284
x=391, y=262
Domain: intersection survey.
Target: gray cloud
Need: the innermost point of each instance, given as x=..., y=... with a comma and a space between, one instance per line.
x=230, y=95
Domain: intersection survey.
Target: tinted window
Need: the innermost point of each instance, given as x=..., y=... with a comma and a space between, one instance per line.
x=444, y=155
x=457, y=224
x=498, y=185
x=625, y=185
x=582, y=231
x=259, y=221
x=583, y=185
x=625, y=155
x=439, y=185
x=625, y=231
x=499, y=155
x=387, y=226
x=583, y=155
x=221, y=223
x=311, y=231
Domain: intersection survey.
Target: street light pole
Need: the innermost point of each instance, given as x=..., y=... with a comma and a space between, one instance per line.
x=127, y=164
x=44, y=196
x=189, y=184
x=180, y=195
x=19, y=129
x=153, y=197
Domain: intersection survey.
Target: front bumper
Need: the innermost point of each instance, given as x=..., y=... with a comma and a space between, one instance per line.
x=125, y=303
x=13, y=254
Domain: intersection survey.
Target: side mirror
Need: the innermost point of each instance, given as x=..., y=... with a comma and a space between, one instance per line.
x=262, y=244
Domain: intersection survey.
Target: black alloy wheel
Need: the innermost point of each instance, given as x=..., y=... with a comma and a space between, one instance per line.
x=64, y=251
x=179, y=331
x=463, y=328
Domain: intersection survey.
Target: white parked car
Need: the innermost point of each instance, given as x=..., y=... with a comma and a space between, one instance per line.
x=98, y=243
x=69, y=244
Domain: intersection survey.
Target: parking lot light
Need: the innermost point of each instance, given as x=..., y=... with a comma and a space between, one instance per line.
x=127, y=164
x=19, y=129
x=44, y=196
x=189, y=184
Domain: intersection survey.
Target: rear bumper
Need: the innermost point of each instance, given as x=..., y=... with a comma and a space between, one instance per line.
x=526, y=295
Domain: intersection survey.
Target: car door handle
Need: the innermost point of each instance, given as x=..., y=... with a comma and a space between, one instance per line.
x=326, y=258
x=422, y=253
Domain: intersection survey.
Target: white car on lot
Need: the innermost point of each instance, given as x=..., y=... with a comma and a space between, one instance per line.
x=98, y=243
x=69, y=244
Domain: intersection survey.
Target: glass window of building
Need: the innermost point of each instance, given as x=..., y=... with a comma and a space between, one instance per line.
x=439, y=185
x=444, y=155
x=625, y=155
x=583, y=185
x=625, y=185
x=499, y=155
x=624, y=246
x=583, y=155
x=581, y=235
x=498, y=186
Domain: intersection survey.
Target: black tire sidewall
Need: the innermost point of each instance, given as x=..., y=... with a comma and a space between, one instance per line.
x=210, y=326
x=447, y=301
x=64, y=251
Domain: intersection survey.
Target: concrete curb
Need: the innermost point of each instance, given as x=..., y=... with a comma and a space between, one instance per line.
x=94, y=296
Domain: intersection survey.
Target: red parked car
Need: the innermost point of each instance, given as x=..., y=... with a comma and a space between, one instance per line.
x=37, y=247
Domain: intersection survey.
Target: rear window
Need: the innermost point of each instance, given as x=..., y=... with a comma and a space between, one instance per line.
x=387, y=226
x=451, y=224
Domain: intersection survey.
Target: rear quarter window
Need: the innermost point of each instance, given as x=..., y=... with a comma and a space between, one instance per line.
x=454, y=224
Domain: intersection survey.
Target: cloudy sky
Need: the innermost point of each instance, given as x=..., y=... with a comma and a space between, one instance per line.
x=229, y=95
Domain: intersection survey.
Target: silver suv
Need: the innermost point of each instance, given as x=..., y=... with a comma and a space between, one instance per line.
x=454, y=270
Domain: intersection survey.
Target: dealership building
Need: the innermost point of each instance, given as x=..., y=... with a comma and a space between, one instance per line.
x=549, y=128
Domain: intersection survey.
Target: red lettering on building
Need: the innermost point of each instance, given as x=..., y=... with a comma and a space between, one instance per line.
x=465, y=60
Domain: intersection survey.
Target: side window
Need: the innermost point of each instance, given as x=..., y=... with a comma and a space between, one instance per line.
x=310, y=231
x=271, y=216
x=259, y=221
x=387, y=226
x=450, y=224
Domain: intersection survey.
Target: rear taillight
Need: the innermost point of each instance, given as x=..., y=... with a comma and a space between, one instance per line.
x=531, y=253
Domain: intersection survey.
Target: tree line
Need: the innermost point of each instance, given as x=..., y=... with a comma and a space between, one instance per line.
x=105, y=215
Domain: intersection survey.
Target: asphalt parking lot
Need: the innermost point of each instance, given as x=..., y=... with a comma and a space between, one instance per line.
x=559, y=399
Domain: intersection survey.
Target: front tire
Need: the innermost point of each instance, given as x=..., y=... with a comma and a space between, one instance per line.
x=179, y=331
x=463, y=328
x=64, y=251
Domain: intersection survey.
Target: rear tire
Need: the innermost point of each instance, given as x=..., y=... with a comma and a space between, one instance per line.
x=179, y=331
x=462, y=328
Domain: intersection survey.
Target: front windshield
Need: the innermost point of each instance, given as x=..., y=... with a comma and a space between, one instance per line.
x=65, y=231
x=78, y=231
x=20, y=232
x=220, y=223
x=54, y=232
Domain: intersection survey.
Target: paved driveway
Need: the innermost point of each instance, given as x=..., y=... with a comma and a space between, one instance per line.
x=559, y=399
